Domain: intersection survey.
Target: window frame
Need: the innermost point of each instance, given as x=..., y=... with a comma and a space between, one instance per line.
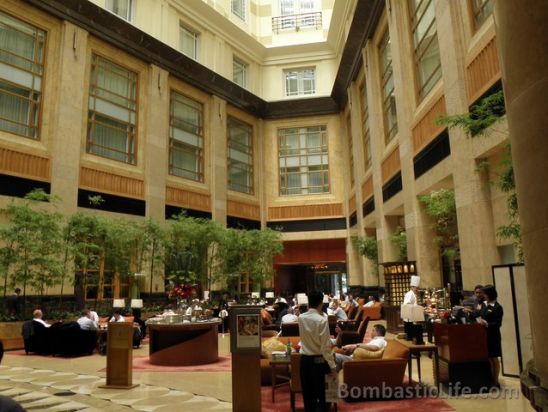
x=423, y=86
x=249, y=150
x=474, y=12
x=300, y=73
x=131, y=137
x=365, y=129
x=244, y=67
x=200, y=137
x=196, y=36
x=389, y=134
x=131, y=6
x=303, y=132
x=348, y=120
x=35, y=104
x=243, y=7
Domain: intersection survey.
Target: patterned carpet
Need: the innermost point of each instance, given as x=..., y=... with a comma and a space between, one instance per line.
x=48, y=390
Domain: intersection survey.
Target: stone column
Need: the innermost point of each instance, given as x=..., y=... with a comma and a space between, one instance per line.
x=218, y=155
x=522, y=36
x=70, y=121
x=157, y=124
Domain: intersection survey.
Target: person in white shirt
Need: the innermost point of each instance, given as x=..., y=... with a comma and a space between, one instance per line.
x=350, y=301
x=335, y=309
x=410, y=298
x=316, y=358
x=291, y=316
x=37, y=317
x=117, y=317
x=85, y=321
x=378, y=342
x=94, y=316
x=370, y=302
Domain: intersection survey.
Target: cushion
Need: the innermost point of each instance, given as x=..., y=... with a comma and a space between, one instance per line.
x=396, y=350
x=270, y=345
x=362, y=354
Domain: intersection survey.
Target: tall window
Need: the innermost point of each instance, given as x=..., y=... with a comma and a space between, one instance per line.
x=481, y=9
x=122, y=8
x=425, y=39
x=388, y=96
x=304, y=161
x=300, y=82
x=186, y=138
x=292, y=8
x=112, y=111
x=350, y=148
x=240, y=156
x=189, y=42
x=21, y=72
x=365, y=126
x=238, y=8
x=239, y=72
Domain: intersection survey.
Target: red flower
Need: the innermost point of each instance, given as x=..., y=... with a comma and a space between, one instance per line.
x=181, y=291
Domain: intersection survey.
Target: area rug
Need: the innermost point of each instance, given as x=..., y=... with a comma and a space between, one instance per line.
x=282, y=404
x=142, y=364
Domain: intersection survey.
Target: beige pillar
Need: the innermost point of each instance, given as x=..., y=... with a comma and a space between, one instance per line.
x=70, y=120
x=218, y=156
x=522, y=36
x=156, y=143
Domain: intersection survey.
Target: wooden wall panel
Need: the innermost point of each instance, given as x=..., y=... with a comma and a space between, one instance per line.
x=187, y=199
x=367, y=188
x=391, y=165
x=312, y=251
x=25, y=165
x=482, y=71
x=426, y=129
x=352, y=204
x=244, y=210
x=106, y=182
x=305, y=211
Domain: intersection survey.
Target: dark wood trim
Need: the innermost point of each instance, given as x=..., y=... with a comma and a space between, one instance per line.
x=123, y=35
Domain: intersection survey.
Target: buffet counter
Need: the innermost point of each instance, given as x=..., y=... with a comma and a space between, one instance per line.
x=183, y=344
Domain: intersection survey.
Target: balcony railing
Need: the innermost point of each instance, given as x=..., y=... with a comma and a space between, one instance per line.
x=297, y=22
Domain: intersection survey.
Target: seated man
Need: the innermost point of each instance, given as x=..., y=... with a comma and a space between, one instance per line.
x=377, y=343
x=85, y=321
x=117, y=316
x=94, y=316
x=335, y=309
x=37, y=317
x=370, y=302
x=292, y=315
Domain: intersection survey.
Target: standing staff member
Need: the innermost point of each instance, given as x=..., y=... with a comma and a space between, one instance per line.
x=491, y=316
x=410, y=298
x=316, y=358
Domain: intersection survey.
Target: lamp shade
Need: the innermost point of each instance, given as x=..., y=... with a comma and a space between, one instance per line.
x=206, y=294
x=136, y=303
x=256, y=295
x=302, y=299
x=325, y=298
x=269, y=295
x=119, y=303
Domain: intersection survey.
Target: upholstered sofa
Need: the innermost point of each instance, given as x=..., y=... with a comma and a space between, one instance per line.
x=65, y=339
x=266, y=370
x=387, y=372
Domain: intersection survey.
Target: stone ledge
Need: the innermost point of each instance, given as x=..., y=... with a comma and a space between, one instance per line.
x=531, y=389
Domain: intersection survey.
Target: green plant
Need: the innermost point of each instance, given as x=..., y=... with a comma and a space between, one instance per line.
x=399, y=239
x=367, y=247
x=482, y=115
x=440, y=206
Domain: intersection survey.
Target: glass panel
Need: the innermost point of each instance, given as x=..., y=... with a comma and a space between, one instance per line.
x=238, y=8
x=189, y=43
x=239, y=71
x=240, y=156
x=482, y=9
x=389, y=100
x=121, y=8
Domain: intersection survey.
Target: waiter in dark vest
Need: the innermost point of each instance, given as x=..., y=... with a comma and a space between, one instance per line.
x=316, y=360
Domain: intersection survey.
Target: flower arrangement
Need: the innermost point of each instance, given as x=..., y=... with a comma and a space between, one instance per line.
x=182, y=291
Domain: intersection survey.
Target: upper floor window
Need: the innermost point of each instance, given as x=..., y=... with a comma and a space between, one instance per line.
x=112, y=111
x=240, y=156
x=297, y=14
x=481, y=10
x=350, y=148
x=189, y=42
x=21, y=74
x=388, y=95
x=186, y=138
x=239, y=72
x=303, y=160
x=364, y=109
x=238, y=8
x=425, y=40
x=122, y=8
x=300, y=82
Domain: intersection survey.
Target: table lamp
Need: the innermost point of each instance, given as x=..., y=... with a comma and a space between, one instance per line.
x=119, y=303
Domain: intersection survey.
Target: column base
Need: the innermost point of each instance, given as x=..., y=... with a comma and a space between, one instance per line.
x=531, y=389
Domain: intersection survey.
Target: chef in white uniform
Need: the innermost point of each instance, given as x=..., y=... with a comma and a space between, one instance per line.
x=410, y=298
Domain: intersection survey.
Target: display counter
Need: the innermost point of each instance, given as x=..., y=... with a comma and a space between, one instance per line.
x=183, y=344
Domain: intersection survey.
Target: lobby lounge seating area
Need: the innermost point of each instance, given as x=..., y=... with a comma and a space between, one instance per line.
x=63, y=339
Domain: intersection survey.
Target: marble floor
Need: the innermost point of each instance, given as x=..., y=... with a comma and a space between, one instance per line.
x=57, y=384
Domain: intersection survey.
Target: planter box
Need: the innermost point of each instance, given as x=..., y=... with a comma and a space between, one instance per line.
x=10, y=335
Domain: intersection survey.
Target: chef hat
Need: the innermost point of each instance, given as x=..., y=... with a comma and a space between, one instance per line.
x=415, y=281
